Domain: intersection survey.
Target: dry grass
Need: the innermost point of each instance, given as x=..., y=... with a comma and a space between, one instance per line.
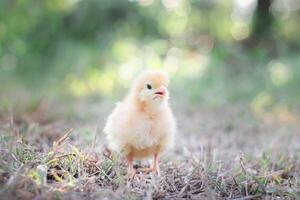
x=220, y=154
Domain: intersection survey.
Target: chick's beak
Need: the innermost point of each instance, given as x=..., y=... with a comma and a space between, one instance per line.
x=161, y=91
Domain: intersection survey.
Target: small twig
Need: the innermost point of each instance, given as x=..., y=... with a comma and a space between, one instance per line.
x=248, y=197
x=15, y=158
x=95, y=138
x=242, y=163
x=12, y=126
x=183, y=190
x=57, y=143
x=107, y=153
x=65, y=155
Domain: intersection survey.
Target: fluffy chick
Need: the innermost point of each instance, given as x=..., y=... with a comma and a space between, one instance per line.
x=143, y=124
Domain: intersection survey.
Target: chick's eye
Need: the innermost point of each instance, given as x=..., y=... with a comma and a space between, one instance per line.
x=149, y=87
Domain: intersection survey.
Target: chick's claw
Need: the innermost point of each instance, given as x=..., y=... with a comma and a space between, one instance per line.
x=131, y=173
x=150, y=170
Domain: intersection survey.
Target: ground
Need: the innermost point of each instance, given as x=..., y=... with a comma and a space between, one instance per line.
x=58, y=152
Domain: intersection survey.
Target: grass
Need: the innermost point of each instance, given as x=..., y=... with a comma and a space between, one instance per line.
x=221, y=153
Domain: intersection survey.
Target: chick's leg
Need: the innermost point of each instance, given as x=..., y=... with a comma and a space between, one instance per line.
x=154, y=166
x=130, y=170
x=155, y=163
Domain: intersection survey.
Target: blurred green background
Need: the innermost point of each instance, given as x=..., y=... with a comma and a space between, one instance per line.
x=217, y=52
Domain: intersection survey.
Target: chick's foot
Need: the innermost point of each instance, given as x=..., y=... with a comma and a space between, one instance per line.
x=150, y=170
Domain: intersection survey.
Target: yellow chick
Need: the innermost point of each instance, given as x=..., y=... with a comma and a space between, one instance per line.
x=143, y=124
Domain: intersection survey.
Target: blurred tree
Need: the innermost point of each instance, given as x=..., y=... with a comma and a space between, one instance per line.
x=43, y=42
x=33, y=33
x=262, y=19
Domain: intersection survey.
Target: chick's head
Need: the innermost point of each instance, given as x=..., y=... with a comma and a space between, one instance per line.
x=150, y=88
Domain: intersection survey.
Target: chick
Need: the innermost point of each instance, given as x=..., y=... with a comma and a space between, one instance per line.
x=142, y=125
